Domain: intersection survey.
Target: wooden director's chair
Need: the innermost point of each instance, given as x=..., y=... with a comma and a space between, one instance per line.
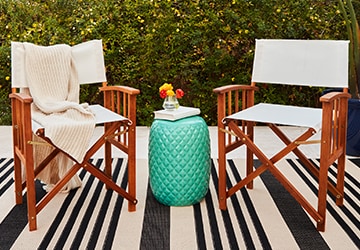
x=118, y=118
x=322, y=63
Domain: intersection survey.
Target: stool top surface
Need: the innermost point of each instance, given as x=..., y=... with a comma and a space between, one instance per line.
x=183, y=121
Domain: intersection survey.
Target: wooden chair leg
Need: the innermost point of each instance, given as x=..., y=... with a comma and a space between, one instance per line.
x=340, y=179
x=132, y=167
x=249, y=154
x=131, y=182
x=31, y=196
x=222, y=170
x=323, y=180
x=18, y=180
x=108, y=161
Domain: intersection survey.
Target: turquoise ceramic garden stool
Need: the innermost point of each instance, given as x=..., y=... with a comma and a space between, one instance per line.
x=179, y=160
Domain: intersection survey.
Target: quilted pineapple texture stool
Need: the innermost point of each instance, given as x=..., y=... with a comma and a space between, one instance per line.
x=179, y=160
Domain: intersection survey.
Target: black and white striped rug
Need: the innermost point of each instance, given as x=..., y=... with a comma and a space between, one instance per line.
x=266, y=217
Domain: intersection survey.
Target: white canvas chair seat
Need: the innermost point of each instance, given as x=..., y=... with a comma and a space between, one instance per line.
x=281, y=115
x=318, y=63
x=102, y=115
x=80, y=64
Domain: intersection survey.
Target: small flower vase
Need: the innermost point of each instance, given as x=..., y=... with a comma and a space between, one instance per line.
x=170, y=103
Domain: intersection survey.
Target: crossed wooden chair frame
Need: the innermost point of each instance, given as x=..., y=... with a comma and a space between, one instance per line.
x=233, y=133
x=121, y=134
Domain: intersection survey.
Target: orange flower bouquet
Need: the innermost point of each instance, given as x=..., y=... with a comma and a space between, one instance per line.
x=170, y=96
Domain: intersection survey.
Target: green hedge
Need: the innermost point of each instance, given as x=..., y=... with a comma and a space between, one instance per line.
x=198, y=45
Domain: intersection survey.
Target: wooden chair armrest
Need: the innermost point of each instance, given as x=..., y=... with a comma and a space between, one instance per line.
x=331, y=96
x=22, y=97
x=234, y=87
x=120, y=88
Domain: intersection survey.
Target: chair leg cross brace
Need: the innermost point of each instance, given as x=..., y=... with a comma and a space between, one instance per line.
x=106, y=180
x=105, y=177
x=269, y=164
x=304, y=159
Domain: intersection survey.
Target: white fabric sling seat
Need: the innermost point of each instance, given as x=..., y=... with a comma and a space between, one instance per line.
x=281, y=115
x=102, y=115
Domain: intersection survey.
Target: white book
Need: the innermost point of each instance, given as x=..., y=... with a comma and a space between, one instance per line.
x=173, y=115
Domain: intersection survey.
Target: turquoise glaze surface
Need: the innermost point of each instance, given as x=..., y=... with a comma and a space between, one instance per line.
x=179, y=160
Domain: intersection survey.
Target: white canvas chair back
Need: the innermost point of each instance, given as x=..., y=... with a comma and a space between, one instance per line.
x=88, y=58
x=321, y=63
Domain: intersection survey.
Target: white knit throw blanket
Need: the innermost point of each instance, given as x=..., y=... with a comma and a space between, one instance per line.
x=53, y=85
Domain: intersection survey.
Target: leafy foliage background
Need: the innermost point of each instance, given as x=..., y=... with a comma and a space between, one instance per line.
x=195, y=44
